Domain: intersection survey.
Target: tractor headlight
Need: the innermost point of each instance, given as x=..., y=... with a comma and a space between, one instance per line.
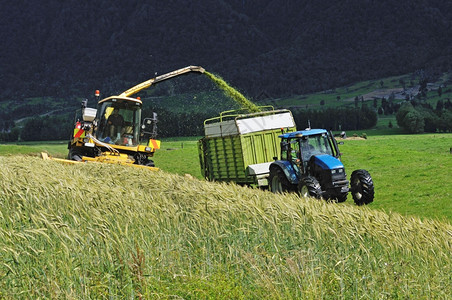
x=338, y=171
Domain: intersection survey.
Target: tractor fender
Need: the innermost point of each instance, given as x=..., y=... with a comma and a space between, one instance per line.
x=288, y=170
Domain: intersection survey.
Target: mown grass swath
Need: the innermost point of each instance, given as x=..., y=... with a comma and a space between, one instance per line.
x=100, y=231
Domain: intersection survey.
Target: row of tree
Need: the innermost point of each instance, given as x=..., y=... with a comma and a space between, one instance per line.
x=47, y=128
x=173, y=124
x=418, y=118
x=337, y=119
x=412, y=117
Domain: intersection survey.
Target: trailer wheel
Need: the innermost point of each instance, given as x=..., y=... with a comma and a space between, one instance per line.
x=362, y=187
x=278, y=181
x=308, y=186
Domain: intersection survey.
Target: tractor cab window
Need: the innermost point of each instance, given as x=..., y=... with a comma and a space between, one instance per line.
x=119, y=123
x=315, y=145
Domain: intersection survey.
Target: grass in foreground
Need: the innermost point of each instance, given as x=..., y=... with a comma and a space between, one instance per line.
x=105, y=231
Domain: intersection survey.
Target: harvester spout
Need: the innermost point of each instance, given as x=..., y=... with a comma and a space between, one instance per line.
x=148, y=83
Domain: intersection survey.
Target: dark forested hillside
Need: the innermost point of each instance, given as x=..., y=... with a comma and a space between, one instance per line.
x=69, y=48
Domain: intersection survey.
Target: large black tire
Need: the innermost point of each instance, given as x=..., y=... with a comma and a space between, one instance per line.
x=342, y=197
x=75, y=155
x=308, y=186
x=362, y=187
x=150, y=163
x=278, y=182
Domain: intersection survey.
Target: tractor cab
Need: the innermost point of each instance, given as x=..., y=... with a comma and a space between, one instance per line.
x=118, y=121
x=302, y=147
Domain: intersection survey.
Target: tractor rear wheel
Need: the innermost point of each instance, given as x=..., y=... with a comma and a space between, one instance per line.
x=362, y=187
x=278, y=181
x=308, y=186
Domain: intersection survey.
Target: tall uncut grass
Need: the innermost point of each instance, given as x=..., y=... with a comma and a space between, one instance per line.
x=105, y=231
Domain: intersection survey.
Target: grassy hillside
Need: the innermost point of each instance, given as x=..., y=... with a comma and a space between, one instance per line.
x=102, y=231
x=399, y=86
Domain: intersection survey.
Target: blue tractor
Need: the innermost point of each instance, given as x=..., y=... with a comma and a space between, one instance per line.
x=310, y=165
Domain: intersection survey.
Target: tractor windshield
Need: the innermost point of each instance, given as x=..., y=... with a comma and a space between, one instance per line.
x=119, y=122
x=314, y=145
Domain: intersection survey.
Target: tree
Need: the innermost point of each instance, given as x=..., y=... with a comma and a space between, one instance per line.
x=380, y=110
x=403, y=84
x=404, y=109
x=414, y=122
x=439, y=105
x=423, y=86
x=410, y=119
x=440, y=91
x=445, y=122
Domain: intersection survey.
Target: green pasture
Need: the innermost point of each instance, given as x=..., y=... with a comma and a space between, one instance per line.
x=54, y=148
x=411, y=173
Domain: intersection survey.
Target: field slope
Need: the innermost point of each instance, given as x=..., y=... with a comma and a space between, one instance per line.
x=105, y=231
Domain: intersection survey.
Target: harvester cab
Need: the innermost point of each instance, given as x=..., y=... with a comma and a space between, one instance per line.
x=112, y=133
x=115, y=132
x=310, y=164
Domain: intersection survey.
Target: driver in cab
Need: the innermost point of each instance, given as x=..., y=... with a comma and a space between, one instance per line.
x=115, y=122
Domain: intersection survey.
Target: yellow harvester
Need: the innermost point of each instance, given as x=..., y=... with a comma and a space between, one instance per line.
x=115, y=132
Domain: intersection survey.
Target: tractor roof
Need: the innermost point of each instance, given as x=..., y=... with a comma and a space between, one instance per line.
x=300, y=133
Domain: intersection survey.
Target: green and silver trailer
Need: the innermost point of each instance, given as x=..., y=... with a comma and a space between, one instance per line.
x=239, y=147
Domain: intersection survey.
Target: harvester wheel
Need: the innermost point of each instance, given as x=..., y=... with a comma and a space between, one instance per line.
x=150, y=163
x=309, y=187
x=362, y=187
x=75, y=155
x=278, y=181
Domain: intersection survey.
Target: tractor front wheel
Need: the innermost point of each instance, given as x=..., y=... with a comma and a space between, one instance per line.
x=278, y=181
x=309, y=187
x=362, y=187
